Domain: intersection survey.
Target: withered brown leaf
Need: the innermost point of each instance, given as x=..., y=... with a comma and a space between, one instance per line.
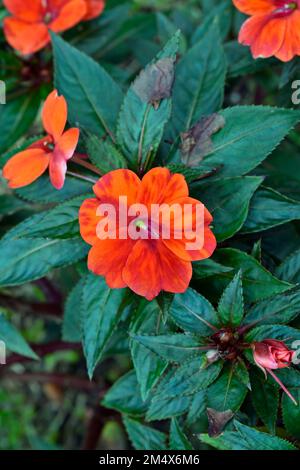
x=217, y=420
x=197, y=142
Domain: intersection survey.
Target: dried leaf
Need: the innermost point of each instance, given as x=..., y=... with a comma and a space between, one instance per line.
x=197, y=143
x=217, y=420
x=156, y=81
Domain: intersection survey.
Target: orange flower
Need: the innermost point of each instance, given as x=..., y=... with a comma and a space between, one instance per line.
x=273, y=29
x=52, y=151
x=150, y=264
x=27, y=30
x=94, y=8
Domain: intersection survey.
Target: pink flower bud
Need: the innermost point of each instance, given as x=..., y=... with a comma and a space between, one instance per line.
x=272, y=354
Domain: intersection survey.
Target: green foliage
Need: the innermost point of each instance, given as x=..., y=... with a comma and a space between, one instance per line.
x=13, y=339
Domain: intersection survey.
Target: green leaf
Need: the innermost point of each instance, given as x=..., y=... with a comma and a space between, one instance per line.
x=104, y=155
x=265, y=398
x=171, y=348
x=193, y=375
x=233, y=150
x=148, y=365
x=143, y=437
x=220, y=15
x=101, y=309
x=71, y=328
x=231, y=305
x=147, y=108
x=13, y=340
x=228, y=210
x=291, y=413
x=208, y=267
x=258, y=283
x=124, y=396
x=16, y=117
x=246, y=438
x=24, y=260
x=9, y=205
x=178, y=440
x=60, y=222
x=289, y=269
x=227, y=392
x=280, y=332
x=197, y=408
x=88, y=89
x=165, y=408
x=199, y=83
x=281, y=308
x=268, y=209
x=194, y=313
x=42, y=191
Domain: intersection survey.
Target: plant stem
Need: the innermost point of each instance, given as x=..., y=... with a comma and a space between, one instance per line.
x=87, y=165
x=82, y=177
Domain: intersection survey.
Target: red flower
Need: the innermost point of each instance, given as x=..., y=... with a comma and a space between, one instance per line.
x=52, y=151
x=27, y=30
x=272, y=354
x=273, y=29
x=147, y=266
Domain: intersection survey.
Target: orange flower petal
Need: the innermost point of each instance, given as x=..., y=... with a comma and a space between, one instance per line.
x=54, y=115
x=108, y=258
x=118, y=183
x=94, y=8
x=254, y=7
x=291, y=44
x=179, y=247
x=152, y=267
x=57, y=170
x=159, y=186
x=25, y=167
x=26, y=10
x=264, y=35
x=89, y=220
x=70, y=15
x=26, y=38
x=67, y=143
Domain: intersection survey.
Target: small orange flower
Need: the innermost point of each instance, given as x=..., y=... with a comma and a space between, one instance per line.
x=147, y=265
x=52, y=151
x=27, y=30
x=273, y=29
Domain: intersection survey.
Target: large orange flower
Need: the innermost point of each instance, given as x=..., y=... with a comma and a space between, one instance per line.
x=273, y=29
x=52, y=151
x=146, y=265
x=27, y=30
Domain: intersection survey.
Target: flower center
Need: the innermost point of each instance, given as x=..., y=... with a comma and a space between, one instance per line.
x=141, y=224
x=285, y=8
x=48, y=17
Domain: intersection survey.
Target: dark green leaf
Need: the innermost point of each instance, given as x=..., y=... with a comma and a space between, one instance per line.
x=198, y=406
x=165, y=408
x=208, y=267
x=101, y=309
x=280, y=332
x=281, y=308
x=178, y=440
x=24, y=260
x=228, y=210
x=258, y=283
x=13, y=340
x=227, y=392
x=143, y=437
x=147, y=107
x=87, y=88
x=231, y=305
x=291, y=413
x=199, y=82
x=124, y=396
x=171, y=348
x=104, y=155
x=71, y=328
x=233, y=148
x=246, y=438
x=148, y=365
x=194, y=313
x=268, y=209
x=289, y=269
x=265, y=398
